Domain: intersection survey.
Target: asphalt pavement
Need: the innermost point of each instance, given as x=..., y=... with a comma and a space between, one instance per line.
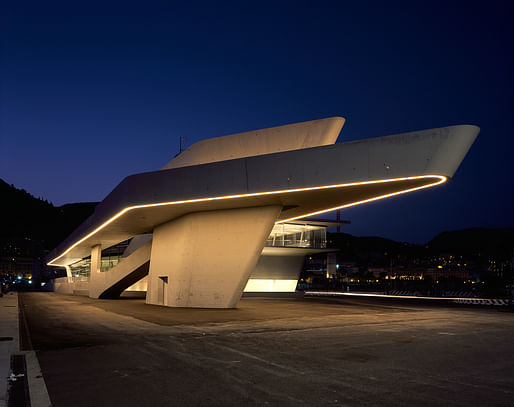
x=270, y=352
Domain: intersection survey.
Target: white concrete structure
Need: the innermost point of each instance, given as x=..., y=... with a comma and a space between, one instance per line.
x=193, y=264
x=212, y=207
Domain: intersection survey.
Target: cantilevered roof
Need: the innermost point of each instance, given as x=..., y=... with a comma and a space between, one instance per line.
x=304, y=182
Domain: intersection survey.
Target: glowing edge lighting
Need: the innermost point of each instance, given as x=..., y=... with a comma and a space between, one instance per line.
x=337, y=293
x=441, y=179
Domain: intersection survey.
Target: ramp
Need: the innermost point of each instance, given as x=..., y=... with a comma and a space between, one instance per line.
x=130, y=269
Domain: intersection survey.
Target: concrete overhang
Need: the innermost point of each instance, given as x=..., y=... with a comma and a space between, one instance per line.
x=304, y=182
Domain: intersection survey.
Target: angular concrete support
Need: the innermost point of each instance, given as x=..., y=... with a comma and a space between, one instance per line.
x=204, y=259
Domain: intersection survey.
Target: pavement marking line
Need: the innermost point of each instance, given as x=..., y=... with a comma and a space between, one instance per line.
x=37, y=387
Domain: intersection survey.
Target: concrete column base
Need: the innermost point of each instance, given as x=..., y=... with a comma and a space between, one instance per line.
x=205, y=259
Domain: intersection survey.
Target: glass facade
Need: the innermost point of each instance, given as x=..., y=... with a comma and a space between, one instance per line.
x=298, y=235
x=112, y=255
x=282, y=235
x=81, y=268
x=110, y=258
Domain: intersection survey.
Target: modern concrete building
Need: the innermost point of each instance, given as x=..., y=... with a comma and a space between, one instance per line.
x=198, y=227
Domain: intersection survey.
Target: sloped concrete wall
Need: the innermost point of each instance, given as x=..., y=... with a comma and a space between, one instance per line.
x=205, y=259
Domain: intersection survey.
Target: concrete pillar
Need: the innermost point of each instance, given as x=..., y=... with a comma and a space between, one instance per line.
x=96, y=263
x=331, y=264
x=204, y=259
x=68, y=274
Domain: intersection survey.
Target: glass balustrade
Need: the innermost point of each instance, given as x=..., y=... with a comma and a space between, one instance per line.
x=293, y=235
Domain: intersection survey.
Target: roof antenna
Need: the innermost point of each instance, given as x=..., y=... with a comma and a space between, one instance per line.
x=181, y=139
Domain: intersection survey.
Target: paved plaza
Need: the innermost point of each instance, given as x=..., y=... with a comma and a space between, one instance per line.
x=270, y=352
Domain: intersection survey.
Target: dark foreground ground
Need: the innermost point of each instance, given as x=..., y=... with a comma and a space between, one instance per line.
x=272, y=352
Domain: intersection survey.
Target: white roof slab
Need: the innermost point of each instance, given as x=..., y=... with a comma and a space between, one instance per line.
x=303, y=181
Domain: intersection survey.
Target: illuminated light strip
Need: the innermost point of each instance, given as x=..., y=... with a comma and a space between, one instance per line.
x=441, y=179
x=376, y=198
x=337, y=293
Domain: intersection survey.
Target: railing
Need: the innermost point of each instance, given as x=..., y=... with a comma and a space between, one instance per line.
x=292, y=241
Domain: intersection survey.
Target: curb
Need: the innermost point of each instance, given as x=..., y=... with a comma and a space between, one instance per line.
x=36, y=392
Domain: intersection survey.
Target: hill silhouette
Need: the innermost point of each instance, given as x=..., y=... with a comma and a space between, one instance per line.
x=481, y=242
x=27, y=218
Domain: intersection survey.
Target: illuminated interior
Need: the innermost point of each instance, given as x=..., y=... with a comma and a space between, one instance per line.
x=297, y=235
x=281, y=286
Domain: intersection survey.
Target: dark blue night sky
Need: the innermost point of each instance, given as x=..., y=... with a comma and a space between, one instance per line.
x=92, y=93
